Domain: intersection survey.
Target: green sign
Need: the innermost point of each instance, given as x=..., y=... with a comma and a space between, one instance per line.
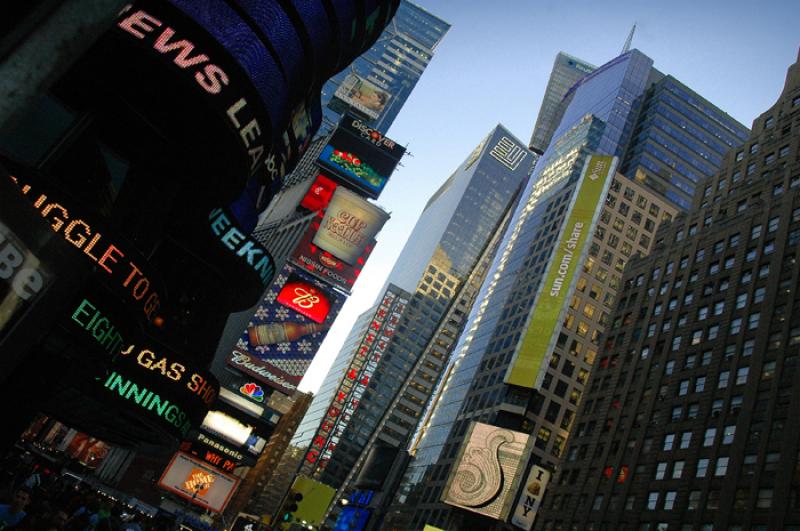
x=546, y=319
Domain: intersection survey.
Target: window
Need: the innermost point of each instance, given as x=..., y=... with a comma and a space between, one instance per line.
x=741, y=301
x=661, y=470
x=669, y=441
x=669, y=501
x=713, y=332
x=773, y=224
x=724, y=377
x=686, y=439
x=702, y=468
x=739, y=156
x=719, y=307
x=676, y=343
x=758, y=295
x=652, y=501
x=768, y=371
x=697, y=337
x=728, y=433
x=709, y=436
x=741, y=375
x=754, y=148
x=677, y=413
x=736, y=325
x=692, y=411
x=694, y=500
x=748, y=346
x=764, y=500
x=700, y=384
x=683, y=387
x=755, y=232
x=722, y=466
x=706, y=358
x=752, y=321
x=702, y=313
x=763, y=271
x=598, y=502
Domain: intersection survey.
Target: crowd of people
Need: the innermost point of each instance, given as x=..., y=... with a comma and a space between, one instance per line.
x=36, y=497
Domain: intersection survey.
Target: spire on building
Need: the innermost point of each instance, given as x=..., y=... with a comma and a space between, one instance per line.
x=627, y=45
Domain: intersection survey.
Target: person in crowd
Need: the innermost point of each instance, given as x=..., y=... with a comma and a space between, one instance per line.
x=12, y=514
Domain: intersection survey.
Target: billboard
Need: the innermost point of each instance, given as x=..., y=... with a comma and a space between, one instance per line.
x=547, y=315
x=486, y=470
x=361, y=156
x=356, y=379
x=349, y=225
x=319, y=194
x=316, y=499
x=324, y=265
x=198, y=482
x=531, y=497
x=362, y=95
x=286, y=330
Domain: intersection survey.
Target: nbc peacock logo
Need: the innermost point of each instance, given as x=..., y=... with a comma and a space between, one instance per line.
x=252, y=391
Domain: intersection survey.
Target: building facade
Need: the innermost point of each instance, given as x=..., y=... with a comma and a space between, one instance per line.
x=601, y=115
x=567, y=70
x=690, y=419
x=377, y=84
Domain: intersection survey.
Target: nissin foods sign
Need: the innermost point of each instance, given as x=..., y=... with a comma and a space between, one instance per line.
x=545, y=321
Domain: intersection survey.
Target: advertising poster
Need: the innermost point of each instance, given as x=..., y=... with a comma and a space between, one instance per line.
x=324, y=264
x=349, y=225
x=484, y=476
x=531, y=497
x=547, y=315
x=362, y=95
x=198, y=482
x=284, y=334
x=361, y=156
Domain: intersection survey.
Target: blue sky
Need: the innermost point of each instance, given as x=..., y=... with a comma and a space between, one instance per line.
x=492, y=67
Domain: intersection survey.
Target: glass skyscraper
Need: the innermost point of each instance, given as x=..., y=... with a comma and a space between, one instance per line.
x=376, y=85
x=567, y=70
x=601, y=114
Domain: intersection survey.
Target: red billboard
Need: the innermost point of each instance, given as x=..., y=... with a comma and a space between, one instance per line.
x=320, y=193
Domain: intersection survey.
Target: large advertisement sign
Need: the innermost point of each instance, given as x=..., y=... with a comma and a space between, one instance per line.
x=361, y=156
x=349, y=225
x=531, y=497
x=363, y=96
x=486, y=470
x=324, y=264
x=285, y=332
x=356, y=379
x=319, y=194
x=316, y=499
x=547, y=315
x=198, y=482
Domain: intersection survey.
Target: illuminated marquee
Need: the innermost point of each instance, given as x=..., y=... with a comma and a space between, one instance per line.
x=244, y=247
x=124, y=269
x=356, y=380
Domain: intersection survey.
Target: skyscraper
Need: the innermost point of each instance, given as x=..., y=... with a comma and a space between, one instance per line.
x=525, y=360
x=690, y=417
x=441, y=254
x=567, y=70
x=377, y=84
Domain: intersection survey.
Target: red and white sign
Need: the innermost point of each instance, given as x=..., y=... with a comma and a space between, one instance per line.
x=319, y=195
x=305, y=299
x=198, y=482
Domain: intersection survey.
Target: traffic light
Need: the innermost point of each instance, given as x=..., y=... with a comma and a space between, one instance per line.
x=290, y=506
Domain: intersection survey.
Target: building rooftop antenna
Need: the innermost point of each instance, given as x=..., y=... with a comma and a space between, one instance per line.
x=627, y=45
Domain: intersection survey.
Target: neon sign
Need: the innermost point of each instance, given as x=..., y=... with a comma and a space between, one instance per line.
x=126, y=272
x=244, y=247
x=305, y=299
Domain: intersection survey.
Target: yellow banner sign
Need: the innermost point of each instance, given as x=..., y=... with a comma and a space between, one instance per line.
x=545, y=322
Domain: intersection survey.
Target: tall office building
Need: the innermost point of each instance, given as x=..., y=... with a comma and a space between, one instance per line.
x=377, y=84
x=567, y=70
x=691, y=416
x=523, y=364
x=446, y=245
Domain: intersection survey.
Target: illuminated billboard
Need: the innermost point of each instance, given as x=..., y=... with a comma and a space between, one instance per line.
x=485, y=473
x=531, y=497
x=550, y=304
x=286, y=330
x=360, y=156
x=198, y=482
x=316, y=499
x=356, y=379
x=319, y=194
x=349, y=225
x=324, y=264
x=362, y=95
